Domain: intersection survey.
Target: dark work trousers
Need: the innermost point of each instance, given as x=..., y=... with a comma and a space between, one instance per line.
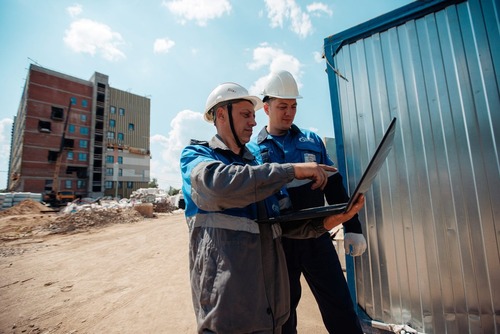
x=317, y=259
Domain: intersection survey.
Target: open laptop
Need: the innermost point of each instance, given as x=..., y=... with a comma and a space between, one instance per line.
x=364, y=184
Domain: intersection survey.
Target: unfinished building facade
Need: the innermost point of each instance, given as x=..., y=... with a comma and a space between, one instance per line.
x=79, y=137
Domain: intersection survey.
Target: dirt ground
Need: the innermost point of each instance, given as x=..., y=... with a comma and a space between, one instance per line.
x=123, y=274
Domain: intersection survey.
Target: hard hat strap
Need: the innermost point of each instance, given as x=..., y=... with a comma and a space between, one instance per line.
x=231, y=124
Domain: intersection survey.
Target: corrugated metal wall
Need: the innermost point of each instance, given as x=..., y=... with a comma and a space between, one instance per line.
x=432, y=218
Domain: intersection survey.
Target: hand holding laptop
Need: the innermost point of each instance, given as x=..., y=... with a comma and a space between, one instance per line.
x=339, y=218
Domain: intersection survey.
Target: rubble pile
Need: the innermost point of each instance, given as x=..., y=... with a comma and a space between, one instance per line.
x=91, y=218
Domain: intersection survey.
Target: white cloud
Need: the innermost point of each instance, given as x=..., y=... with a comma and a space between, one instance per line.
x=198, y=10
x=75, y=10
x=166, y=150
x=5, y=135
x=163, y=45
x=318, y=56
x=87, y=36
x=317, y=8
x=280, y=11
x=274, y=59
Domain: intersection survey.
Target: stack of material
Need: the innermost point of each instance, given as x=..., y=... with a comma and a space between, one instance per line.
x=149, y=195
x=8, y=200
x=26, y=207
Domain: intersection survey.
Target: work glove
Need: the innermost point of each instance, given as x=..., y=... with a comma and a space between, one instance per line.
x=354, y=244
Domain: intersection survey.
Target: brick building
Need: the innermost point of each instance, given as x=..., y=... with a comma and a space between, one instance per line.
x=81, y=136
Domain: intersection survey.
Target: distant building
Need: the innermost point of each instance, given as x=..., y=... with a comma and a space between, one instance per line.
x=79, y=135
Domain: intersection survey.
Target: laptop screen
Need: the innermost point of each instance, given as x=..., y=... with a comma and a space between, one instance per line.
x=375, y=163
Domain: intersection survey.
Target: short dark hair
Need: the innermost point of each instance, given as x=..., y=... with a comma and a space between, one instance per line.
x=267, y=99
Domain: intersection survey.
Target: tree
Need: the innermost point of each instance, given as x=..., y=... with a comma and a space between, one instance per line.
x=172, y=191
x=153, y=183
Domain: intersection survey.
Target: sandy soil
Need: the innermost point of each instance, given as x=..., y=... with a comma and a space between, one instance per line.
x=115, y=278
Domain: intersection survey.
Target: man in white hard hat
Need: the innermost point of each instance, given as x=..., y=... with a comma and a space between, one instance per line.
x=238, y=273
x=282, y=141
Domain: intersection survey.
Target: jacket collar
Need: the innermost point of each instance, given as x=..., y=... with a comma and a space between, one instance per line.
x=263, y=134
x=216, y=143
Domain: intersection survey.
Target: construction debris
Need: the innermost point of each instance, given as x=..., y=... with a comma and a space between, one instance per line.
x=94, y=217
x=31, y=217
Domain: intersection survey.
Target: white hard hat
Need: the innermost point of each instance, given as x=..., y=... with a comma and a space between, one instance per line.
x=227, y=92
x=282, y=85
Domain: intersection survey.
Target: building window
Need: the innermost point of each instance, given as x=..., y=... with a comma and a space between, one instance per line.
x=44, y=126
x=99, y=111
x=84, y=143
x=68, y=143
x=120, y=172
x=131, y=127
x=108, y=184
x=112, y=123
x=120, y=136
x=52, y=156
x=57, y=113
x=84, y=103
x=121, y=112
x=80, y=184
x=110, y=135
x=112, y=110
x=70, y=155
x=68, y=184
x=82, y=156
x=84, y=130
x=120, y=160
x=73, y=101
x=83, y=118
x=120, y=184
x=130, y=184
x=109, y=171
x=110, y=159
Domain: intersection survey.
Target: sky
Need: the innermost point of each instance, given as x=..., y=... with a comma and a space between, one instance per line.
x=175, y=53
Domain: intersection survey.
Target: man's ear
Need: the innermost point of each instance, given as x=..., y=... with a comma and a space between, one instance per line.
x=219, y=113
x=266, y=108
